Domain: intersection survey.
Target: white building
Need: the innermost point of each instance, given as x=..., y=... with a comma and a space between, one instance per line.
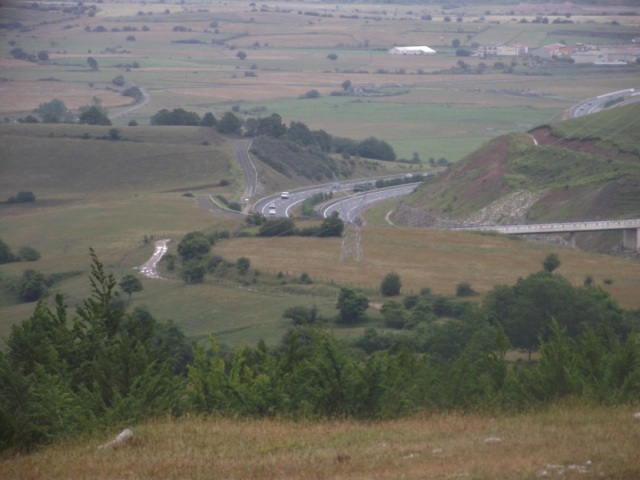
x=607, y=56
x=499, y=50
x=412, y=51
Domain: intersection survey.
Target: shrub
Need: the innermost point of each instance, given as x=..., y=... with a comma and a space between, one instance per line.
x=28, y=254
x=410, y=301
x=395, y=316
x=33, y=286
x=464, y=289
x=194, y=245
x=311, y=94
x=6, y=255
x=194, y=271
x=301, y=315
x=22, y=197
x=279, y=227
x=243, y=264
x=390, y=285
x=305, y=278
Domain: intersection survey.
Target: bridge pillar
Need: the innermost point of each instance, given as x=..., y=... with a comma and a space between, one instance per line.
x=631, y=238
x=572, y=239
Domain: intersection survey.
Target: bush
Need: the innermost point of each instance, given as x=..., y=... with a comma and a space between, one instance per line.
x=390, y=285
x=410, y=301
x=301, y=315
x=133, y=92
x=351, y=305
x=311, y=94
x=22, y=197
x=6, y=255
x=179, y=116
x=33, y=286
x=194, y=271
x=194, y=245
x=28, y=254
x=280, y=227
x=305, y=278
x=395, y=316
x=243, y=264
x=464, y=290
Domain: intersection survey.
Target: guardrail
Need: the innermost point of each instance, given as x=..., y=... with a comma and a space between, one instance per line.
x=558, y=227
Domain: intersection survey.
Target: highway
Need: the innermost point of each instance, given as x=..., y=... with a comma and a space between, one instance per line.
x=344, y=189
x=349, y=205
x=350, y=208
x=596, y=104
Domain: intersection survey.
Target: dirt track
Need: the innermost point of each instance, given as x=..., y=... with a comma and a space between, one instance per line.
x=149, y=268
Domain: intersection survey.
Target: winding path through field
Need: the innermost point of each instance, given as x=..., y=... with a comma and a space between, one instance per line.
x=146, y=98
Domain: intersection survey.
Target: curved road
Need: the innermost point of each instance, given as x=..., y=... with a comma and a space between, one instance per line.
x=596, y=104
x=283, y=206
x=251, y=185
x=350, y=207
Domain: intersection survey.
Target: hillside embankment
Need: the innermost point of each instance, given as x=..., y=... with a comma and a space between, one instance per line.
x=578, y=170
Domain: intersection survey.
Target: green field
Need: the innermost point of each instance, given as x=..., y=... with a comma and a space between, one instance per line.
x=438, y=115
x=112, y=195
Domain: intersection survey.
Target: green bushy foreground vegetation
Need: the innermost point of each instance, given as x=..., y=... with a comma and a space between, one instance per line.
x=62, y=376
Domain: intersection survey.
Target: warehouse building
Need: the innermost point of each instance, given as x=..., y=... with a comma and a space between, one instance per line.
x=412, y=51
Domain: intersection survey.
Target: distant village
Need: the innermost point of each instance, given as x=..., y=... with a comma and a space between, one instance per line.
x=579, y=53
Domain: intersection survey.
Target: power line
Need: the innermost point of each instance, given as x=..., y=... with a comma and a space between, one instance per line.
x=351, y=237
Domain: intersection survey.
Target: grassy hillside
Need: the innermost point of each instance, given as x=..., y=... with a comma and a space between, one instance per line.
x=77, y=161
x=568, y=442
x=119, y=196
x=112, y=195
x=582, y=169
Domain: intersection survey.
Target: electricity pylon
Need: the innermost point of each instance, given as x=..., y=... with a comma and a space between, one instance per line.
x=351, y=239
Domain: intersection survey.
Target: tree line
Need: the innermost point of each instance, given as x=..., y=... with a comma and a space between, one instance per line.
x=63, y=373
x=56, y=111
x=292, y=150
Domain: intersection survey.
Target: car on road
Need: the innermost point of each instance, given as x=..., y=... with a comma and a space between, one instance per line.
x=284, y=195
x=272, y=209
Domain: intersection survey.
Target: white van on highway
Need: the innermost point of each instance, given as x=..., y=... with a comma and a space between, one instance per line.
x=284, y=195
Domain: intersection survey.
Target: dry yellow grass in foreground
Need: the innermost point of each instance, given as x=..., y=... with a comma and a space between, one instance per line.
x=562, y=442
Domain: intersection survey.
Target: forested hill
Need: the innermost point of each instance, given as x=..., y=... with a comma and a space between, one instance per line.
x=580, y=169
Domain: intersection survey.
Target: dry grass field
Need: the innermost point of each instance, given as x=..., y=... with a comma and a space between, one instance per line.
x=438, y=260
x=567, y=442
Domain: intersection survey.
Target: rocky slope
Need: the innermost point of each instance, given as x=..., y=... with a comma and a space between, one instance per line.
x=580, y=170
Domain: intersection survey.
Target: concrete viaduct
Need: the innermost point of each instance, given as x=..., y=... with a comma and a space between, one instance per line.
x=630, y=229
